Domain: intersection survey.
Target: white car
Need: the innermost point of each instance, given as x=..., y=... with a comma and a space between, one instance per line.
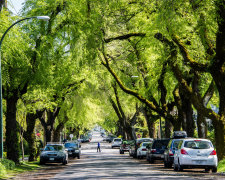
x=116, y=142
x=142, y=150
x=195, y=153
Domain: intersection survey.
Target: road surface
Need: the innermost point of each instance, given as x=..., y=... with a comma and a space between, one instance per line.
x=109, y=164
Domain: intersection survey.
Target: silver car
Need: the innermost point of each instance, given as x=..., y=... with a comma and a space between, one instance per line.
x=116, y=142
x=195, y=153
x=54, y=153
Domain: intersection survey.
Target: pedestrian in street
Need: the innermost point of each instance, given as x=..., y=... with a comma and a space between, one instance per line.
x=98, y=147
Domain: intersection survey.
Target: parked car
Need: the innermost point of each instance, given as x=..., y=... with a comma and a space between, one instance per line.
x=142, y=150
x=73, y=149
x=169, y=152
x=125, y=146
x=179, y=134
x=195, y=153
x=54, y=153
x=116, y=142
x=133, y=148
x=110, y=138
x=157, y=150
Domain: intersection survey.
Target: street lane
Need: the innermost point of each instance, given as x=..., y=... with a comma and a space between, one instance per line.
x=109, y=164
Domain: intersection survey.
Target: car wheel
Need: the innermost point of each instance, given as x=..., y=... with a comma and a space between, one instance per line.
x=64, y=161
x=174, y=167
x=122, y=152
x=207, y=170
x=165, y=164
x=78, y=156
x=169, y=165
x=180, y=168
x=151, y=161
x=41, y=162
x=214, y=170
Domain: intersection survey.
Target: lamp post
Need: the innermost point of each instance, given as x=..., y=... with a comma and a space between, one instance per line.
x=45, y=18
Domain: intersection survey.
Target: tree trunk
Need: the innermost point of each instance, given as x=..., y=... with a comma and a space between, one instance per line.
x=168, y=129
x=150, y=122
x=30, y=135
x=12, y=130
x=3, y=4
x=188, y=121
x=202, y=127
x=219, y=138
x=56, y=132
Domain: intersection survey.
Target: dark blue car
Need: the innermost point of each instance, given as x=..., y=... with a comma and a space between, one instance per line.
x=169, y=152
x=156, y=152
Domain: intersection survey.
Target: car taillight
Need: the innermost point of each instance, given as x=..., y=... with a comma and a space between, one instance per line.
x=182, y=151
x=213, y=152
x=144, y=149
x=153, y=150
x=170, y=153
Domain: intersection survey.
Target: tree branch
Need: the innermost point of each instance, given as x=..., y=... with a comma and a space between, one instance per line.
x=124, y=37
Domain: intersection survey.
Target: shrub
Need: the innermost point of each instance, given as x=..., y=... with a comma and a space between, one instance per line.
x=2, y=169
x=221, y=166
x=8, y=164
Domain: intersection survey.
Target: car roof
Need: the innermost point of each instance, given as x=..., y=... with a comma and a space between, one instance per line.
x=188, y=139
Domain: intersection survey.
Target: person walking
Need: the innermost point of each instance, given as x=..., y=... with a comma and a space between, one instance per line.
x=98, y=147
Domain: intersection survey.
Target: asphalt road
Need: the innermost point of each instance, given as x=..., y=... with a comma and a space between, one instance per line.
x=109, y=164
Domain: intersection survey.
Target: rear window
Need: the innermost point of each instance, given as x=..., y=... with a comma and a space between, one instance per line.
x=160, y=144
x=197, y=144
x=71, y=145
x=117, y=140
x=145, y=144
x=175, y=144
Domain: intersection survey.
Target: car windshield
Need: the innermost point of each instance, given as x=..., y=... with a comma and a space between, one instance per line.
x=117, y=140
x=53, y=148
x=197, y=144
x=71, y=145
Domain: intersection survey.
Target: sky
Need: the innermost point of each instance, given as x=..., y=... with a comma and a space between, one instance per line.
x=15, y=5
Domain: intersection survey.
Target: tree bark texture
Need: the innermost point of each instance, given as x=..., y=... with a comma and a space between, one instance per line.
x=12, y=129
x=30, y=135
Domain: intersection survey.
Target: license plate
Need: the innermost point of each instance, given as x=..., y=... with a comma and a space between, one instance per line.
x=70, y=153
x=51, y=159
x=162, y=156
x=199, y=162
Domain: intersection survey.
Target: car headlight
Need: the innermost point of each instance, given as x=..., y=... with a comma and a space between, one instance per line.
x=60, y=154
x=43, y=154
x=77, y=151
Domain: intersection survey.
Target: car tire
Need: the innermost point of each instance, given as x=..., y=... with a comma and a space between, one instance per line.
x=78, y=157
x=179, y=167
x=41, y=162
x=122, y=152
x=214, y=169
x=169, y=165
x=165, y=164
x=64, y=161
x=207, y=170
x=151, y=161
x=174, y=167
